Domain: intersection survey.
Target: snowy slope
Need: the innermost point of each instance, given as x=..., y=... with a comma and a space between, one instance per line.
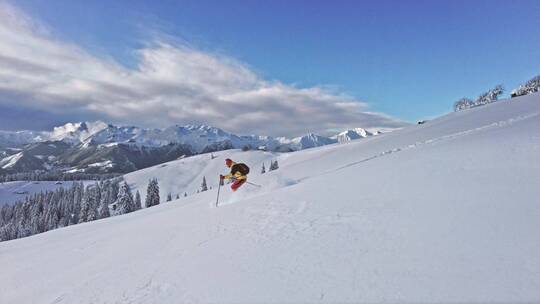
x=11, y=192
x=10, y=161
x=186, y=175
x=442, y=212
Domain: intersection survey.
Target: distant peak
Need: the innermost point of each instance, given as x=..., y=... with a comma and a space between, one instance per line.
x=77, y=131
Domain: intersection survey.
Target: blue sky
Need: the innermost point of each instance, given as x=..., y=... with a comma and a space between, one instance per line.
x=407, y=59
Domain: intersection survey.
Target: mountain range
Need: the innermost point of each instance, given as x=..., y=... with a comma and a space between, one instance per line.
x=98, y=147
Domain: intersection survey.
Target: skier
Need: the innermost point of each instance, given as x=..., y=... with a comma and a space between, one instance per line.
x=238, y=174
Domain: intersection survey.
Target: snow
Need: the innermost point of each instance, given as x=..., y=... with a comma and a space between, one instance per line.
x=11, y=192
x=199, y=138
x=186, y=175
x=109, y=145
x=10, y=161
x=441, y=212
x=358, y=133
x=103, y=164
x=77, y=132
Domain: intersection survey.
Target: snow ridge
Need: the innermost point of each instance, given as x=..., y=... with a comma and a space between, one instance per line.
x=10, y=161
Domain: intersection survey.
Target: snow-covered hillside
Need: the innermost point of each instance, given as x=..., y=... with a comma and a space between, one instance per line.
x=186, y=175
x=446, y=211
x=11, y=192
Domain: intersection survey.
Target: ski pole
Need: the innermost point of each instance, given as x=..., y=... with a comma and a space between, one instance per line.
x=219, y=187
x=259, y=186
x=253, y=184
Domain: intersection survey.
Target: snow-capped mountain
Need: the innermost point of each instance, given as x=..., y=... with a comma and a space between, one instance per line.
x=76, y=132
x=198, y=137
x=94, y=147
x=71, y=133
x=304, y=142
x=202, y=138
x=10, y=161
x=355, y=133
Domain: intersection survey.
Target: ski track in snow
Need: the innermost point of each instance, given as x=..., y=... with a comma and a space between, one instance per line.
x=431, y=141
x=278, y=221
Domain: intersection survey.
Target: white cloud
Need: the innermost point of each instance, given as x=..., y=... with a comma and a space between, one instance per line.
x=172, y=84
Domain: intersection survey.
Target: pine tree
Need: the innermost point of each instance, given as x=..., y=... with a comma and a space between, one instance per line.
x=105, y=200
x=49, y=210
x=93, y=197
x=78, y=194
x=178, y=196
x=85, y=206
x=83, y=213
x=51, y=217
x=169, y=197
x=273, y=165
x=36, y=213
x=104, y=211
x=152, y=193
x=125, y=203
x=115, y=187
x=204, y=187
x=185, y=194
x=138, y=202
x=263, y=170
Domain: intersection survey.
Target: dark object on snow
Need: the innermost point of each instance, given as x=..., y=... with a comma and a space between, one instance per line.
x=219, y=187
x=421, y=122
x=242, y=168
x=238, y=173
x=273, y=165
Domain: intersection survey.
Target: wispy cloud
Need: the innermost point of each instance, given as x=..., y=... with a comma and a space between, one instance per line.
x=172, y=83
